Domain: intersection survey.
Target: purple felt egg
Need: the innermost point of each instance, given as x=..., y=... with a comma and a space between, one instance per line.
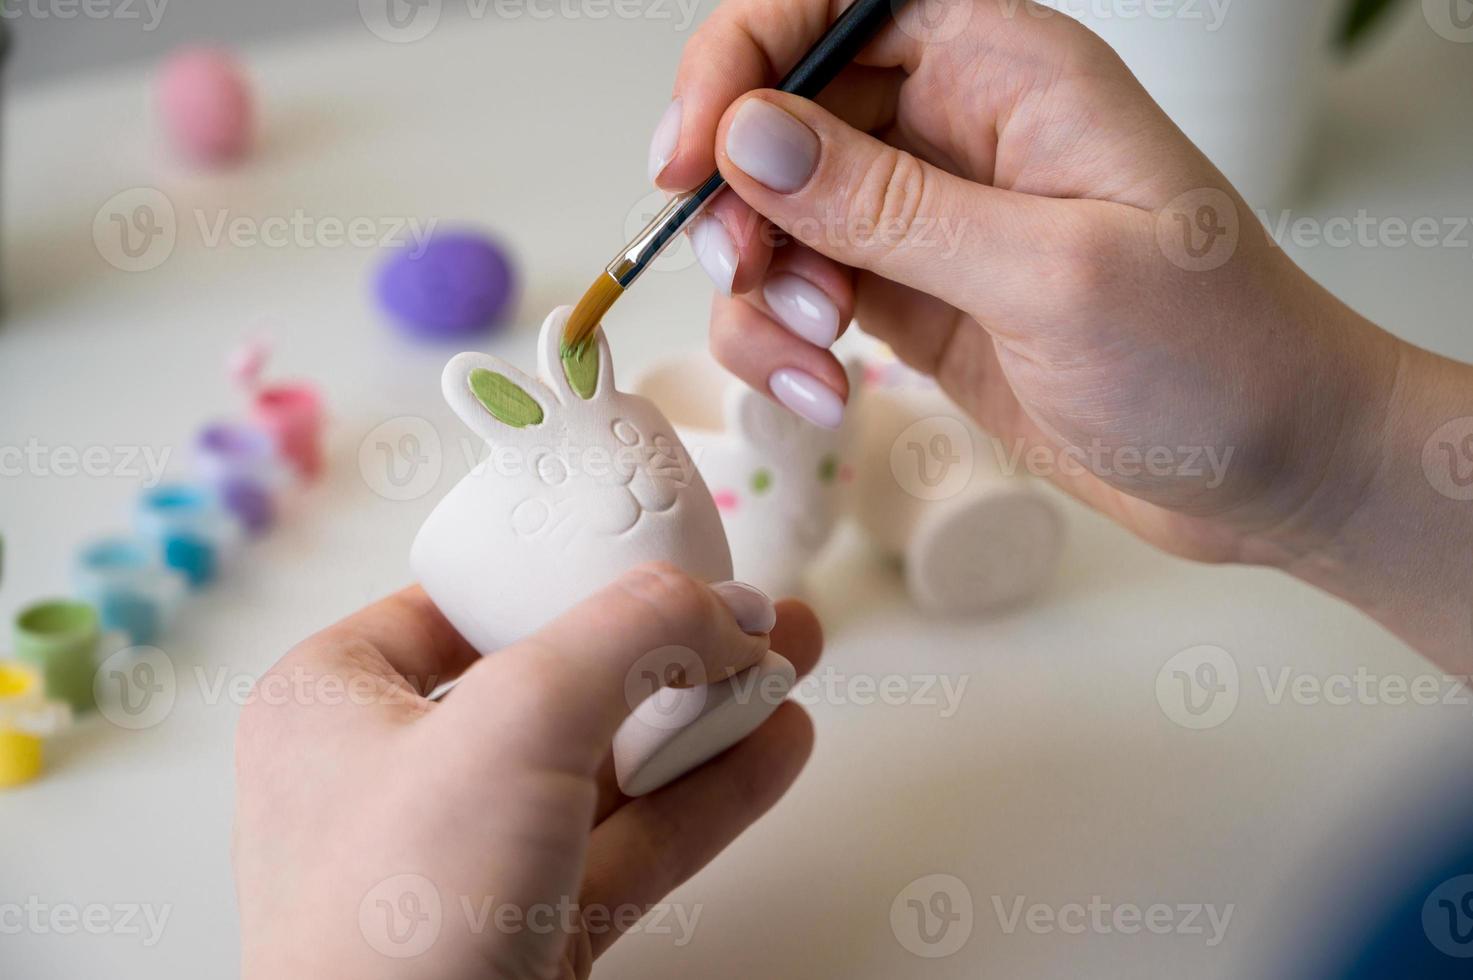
x=458, y=283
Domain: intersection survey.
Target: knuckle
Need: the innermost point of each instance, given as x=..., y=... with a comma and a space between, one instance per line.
x=538, y=677
x=1085, y=265
x=676, y=598
x=888, y=201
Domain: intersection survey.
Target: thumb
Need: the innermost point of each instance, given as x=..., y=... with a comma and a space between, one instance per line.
x=870, y=205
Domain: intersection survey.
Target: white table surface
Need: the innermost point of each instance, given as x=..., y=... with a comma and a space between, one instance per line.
x=1060, y=778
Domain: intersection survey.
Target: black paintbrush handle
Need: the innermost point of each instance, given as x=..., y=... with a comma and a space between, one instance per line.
x=840, y=44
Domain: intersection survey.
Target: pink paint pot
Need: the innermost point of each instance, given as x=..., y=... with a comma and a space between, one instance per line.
x=292, y=415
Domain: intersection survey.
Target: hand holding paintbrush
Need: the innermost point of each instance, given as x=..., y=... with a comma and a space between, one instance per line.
x=848, y=35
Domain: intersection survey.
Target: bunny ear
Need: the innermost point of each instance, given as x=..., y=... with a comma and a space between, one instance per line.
x=578, y=374
x=492, y=397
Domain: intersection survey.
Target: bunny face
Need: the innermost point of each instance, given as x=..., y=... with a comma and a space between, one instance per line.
x=582, y=482
x=777, y=481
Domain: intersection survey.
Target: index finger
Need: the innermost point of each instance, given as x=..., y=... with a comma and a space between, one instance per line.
x=411, y=635
x=746, y=45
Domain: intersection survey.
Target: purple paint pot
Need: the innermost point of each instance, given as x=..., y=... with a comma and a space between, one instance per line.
x=460, y=283
x=241, y=463
x=292, y=415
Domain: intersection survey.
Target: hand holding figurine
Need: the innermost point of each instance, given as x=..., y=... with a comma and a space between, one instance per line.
x=381, y=834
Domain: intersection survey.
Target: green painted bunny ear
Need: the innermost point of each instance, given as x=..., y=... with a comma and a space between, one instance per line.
x=580, y=364
x=505, y=399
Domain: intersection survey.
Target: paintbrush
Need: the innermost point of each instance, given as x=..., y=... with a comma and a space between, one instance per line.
x=844, y=39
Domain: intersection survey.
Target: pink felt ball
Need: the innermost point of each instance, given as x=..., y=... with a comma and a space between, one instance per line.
x=205, y=103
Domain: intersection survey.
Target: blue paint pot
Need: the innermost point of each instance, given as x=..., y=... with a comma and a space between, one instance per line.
x=188, y=529
x=131, y=588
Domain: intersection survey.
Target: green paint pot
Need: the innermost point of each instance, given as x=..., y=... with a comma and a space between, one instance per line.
x=60, y=638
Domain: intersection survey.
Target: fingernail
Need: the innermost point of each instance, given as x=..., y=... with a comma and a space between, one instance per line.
x=803, y=308
x=807, y=396
x=753, y=610
x=771, y=146
x=666, y=138
x=715, y=251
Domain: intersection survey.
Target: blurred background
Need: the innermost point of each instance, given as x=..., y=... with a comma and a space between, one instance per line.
x=182, y=181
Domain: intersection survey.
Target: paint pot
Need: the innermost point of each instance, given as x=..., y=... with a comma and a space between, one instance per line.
x=292, y=414
x=26, y=717
x=929, y=491
x=131, y=588
x=776, y=478
x=239, y=462
x=188, y=529
x=63, y=640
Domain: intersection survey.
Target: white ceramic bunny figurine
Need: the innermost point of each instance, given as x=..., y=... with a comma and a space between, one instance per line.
x=776, y=479
x=777, y=483
x=582, y=482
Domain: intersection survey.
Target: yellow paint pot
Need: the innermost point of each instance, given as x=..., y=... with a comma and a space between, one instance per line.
x=25, y=718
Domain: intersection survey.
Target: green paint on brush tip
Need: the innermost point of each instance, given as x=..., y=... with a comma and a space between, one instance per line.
x=505, y=399
x=580, y=364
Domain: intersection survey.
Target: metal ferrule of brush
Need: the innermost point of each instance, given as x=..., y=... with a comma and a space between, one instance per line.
x=674, y=217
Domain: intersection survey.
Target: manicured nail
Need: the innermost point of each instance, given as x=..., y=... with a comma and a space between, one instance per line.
x=666, y=138
x=807, y=396
x=803, y=308
x=753, y=610
x=771, y=146
x=715, y=251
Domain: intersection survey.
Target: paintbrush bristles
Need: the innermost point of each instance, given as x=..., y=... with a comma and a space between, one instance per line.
x=586, y=316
